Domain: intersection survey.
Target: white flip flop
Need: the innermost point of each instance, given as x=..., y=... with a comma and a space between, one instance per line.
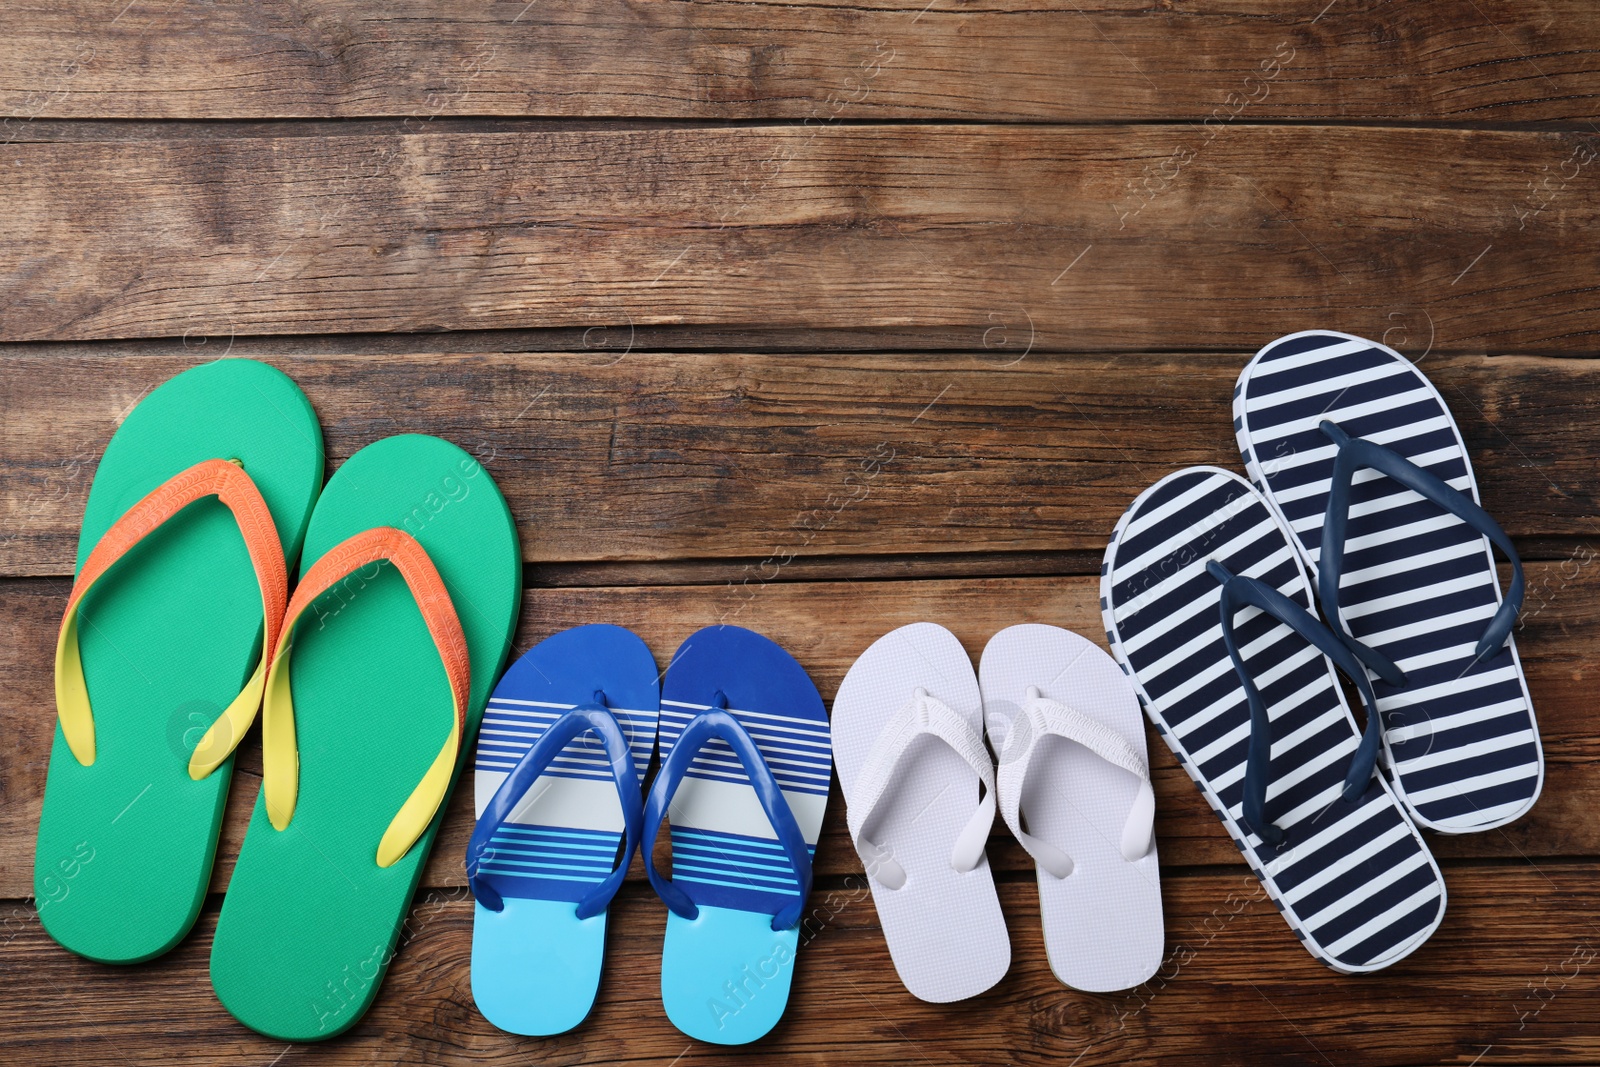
x=908, y=745
x=1074, y=787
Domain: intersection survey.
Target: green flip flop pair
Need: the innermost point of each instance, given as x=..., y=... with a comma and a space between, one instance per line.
x=370, y=681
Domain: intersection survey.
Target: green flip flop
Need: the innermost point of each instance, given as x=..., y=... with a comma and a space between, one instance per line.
x=394, y=637
x=181, y=572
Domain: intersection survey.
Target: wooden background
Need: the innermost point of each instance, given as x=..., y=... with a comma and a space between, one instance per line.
x=674, y=269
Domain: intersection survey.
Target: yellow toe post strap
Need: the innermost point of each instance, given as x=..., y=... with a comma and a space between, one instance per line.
x=230, y=484
x=281, y=759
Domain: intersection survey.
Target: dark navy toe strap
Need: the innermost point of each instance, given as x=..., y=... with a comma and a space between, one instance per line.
x=586, y=718
x=719, y=723
x=1239, y=592
x=1355, y=453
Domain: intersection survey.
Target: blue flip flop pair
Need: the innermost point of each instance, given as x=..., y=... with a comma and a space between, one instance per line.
x=745, y=761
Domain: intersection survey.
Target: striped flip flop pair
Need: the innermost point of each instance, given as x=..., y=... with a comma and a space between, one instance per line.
x=1359, y=484
x=745, y=761
x=369, y=682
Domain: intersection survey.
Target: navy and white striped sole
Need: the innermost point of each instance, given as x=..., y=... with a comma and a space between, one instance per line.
x=1356, y=882
x=1460, y=740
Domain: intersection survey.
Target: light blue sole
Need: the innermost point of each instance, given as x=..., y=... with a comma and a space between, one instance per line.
x=725, y=975
x=536, y=965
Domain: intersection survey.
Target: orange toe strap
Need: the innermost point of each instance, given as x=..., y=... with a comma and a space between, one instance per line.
x=229, y=483
x=281, y=758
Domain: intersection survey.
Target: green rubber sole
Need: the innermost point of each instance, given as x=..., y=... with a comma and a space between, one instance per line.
x=168, y=638
x=310, y=921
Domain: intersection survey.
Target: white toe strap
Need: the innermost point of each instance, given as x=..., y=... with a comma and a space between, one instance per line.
x=922, y=715
x=1041, y=716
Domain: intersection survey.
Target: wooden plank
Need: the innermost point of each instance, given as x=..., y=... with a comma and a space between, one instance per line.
x=1090, y=238
x=819, y=60
x=1511, y=968
x=826, y=625
x=765, y=459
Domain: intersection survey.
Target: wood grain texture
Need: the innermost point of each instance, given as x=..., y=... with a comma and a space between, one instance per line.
x=1034, y=60
x=660, y=266
x=827, y=625
x=1094, y=238
x=1511, y=968
x=768, y=458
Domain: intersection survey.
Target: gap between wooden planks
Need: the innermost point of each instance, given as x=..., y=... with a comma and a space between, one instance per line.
x=826, y=625
x=901, y=59
x=769, y=458
x=1055, y=235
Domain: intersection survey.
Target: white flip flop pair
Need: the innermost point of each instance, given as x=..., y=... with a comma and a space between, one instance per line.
x=1073, y=784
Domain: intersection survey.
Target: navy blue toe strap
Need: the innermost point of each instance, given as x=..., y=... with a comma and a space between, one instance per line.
x=1355, y=453
x=719, y=723
x=585, y=718
x=1239, y=592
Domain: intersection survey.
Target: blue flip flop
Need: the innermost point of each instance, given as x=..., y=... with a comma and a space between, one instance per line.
x=553, y=805
x=745, y=760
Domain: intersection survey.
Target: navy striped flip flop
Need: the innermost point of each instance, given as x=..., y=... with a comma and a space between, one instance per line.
x=1248, y=702
x=1361, y=462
